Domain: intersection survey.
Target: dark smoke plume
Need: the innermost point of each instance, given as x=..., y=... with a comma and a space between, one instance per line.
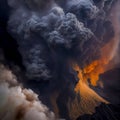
x=52, y=35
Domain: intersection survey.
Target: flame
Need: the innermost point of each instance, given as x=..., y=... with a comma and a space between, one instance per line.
x=108, y=53
x=89, y=99
x=97, y=67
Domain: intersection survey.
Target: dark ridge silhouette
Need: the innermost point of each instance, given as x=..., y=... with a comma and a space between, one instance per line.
x=104, y=112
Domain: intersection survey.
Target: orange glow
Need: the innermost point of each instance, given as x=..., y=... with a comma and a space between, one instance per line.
x=89, y=99
x=97, y=67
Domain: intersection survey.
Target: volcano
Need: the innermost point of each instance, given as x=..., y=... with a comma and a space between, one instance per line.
x=59, y=59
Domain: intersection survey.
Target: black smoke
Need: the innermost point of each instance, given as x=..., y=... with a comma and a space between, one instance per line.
x=48, y=36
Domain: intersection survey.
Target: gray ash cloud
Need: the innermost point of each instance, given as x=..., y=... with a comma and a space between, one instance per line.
x=55, y=31
x=52, y=34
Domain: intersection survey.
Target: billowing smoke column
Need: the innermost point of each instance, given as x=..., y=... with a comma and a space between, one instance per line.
x=53, y=32
x=52, y=36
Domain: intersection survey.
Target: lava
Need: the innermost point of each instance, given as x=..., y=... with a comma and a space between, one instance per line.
x=89, y=99
x=97, y=67
x=89, y=75
x=108, y=53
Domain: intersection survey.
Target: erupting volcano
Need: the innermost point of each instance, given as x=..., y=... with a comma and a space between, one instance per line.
x=94, y=69
x=59, y=59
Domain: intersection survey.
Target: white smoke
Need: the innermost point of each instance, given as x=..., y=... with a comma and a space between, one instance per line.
x=17, y=103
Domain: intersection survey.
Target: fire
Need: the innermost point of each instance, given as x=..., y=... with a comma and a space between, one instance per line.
x=89, y=99
x=108, y=52
x=97, y=67
x=93, y=71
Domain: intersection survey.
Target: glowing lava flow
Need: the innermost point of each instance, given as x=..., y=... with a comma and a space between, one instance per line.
x=97, y=67
x=89, y=99
x=87, y=94
x=108, y=53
